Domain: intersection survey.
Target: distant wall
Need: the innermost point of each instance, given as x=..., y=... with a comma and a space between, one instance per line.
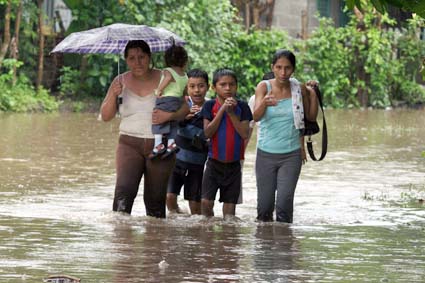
x=288, y=16
x=50, y=8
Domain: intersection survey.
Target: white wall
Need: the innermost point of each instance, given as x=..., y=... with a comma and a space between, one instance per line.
x=288, y=15
x=64, y=12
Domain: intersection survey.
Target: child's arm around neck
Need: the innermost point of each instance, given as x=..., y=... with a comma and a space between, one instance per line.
x=165, y=81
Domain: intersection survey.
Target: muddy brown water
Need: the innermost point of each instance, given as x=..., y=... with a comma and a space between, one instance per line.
x=358, y=215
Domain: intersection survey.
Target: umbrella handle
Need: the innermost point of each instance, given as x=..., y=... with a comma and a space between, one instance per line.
x=121, y=79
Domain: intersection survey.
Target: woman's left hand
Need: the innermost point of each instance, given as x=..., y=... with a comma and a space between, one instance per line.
x=312, y=83
x=303, y=155
x=160, y=116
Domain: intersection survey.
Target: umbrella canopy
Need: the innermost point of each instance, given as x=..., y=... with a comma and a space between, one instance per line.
x=112, y=39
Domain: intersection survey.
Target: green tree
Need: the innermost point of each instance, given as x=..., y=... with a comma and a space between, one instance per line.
x=251, y=56
x=209, y=28
x=415, y=6
x=363, y=63
x=16, y=89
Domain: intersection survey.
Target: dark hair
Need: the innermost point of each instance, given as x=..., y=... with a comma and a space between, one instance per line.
x=137, y=44
x=175, y=56
x=198, y=73
x=222, y=72
x=286, y=54
x=268, y=76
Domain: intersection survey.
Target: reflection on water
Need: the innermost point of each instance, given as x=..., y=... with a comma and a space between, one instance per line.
x=357, y=214
x=276, y=254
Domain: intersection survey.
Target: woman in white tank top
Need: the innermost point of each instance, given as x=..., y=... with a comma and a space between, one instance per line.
x=135, y=91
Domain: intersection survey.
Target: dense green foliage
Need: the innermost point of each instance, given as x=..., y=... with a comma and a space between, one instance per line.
x=251, y=57
x=415, y=6
x=390, y=58
x=225, y=45
x=22, y=97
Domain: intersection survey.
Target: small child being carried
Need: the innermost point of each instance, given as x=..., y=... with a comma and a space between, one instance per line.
x=169, y=98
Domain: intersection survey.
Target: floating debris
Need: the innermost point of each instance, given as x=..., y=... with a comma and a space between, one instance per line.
x=61, y=279
x=163, y=264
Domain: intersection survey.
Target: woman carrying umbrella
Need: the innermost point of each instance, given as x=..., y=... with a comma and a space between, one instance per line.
x=137, y=87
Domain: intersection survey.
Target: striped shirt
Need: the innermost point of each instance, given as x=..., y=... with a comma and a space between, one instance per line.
x=226, y=145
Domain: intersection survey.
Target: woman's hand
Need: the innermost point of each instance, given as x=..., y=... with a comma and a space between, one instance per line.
x=303, y=155
x=312, y=83
x=116, y=88
x=160, y=116
x=269, y=100
x=108, y=108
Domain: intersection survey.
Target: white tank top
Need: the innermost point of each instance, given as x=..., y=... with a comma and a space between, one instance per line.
x=136, y=114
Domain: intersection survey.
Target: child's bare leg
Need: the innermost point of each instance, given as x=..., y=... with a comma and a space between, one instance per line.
x=172, y=203
x=195, y=207
x=170, y=141
x=159, y=147
x=207, y=207
x=229, y=209
x=158, y=141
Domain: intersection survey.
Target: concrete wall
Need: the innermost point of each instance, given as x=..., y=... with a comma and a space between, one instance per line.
x=64, y=12
x=288, y=16
x=50, y=7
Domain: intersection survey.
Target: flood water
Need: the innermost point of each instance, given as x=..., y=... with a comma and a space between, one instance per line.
x=358, y=214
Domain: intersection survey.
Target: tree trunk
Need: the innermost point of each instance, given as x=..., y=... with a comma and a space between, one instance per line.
x=247, y=16
x=83, y=69
x=40, y=44
x=15, y=48
x=252, y=10
x=60, y=22
x=6, y=37
x=258, y=9
x=362, y=91
x=304, y=24
x=270, y=12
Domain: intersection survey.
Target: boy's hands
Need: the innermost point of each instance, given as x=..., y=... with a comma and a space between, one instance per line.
x=195, y=109
x=229, y=104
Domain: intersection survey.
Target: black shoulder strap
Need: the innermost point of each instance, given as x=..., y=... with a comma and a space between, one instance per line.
x=324, y=132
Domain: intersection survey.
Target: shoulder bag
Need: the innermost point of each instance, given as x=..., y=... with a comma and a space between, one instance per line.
x=312, y=128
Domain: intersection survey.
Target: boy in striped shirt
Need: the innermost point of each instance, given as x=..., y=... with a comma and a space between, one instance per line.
x=226, y=124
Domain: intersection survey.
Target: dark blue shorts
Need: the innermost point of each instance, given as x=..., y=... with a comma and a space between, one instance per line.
x=224, y=176
x=188, y=175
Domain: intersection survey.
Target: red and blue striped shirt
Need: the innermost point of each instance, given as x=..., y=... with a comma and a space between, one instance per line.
x=226, y=145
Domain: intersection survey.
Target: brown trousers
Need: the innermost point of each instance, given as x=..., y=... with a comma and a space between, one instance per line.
x=132, y=163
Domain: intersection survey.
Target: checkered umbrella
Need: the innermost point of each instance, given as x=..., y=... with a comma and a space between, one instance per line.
x=113, y=39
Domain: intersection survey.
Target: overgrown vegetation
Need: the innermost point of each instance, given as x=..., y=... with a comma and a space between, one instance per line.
x=411, y=195
x=22, y=96
x=366, y=63
x=382, y=63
